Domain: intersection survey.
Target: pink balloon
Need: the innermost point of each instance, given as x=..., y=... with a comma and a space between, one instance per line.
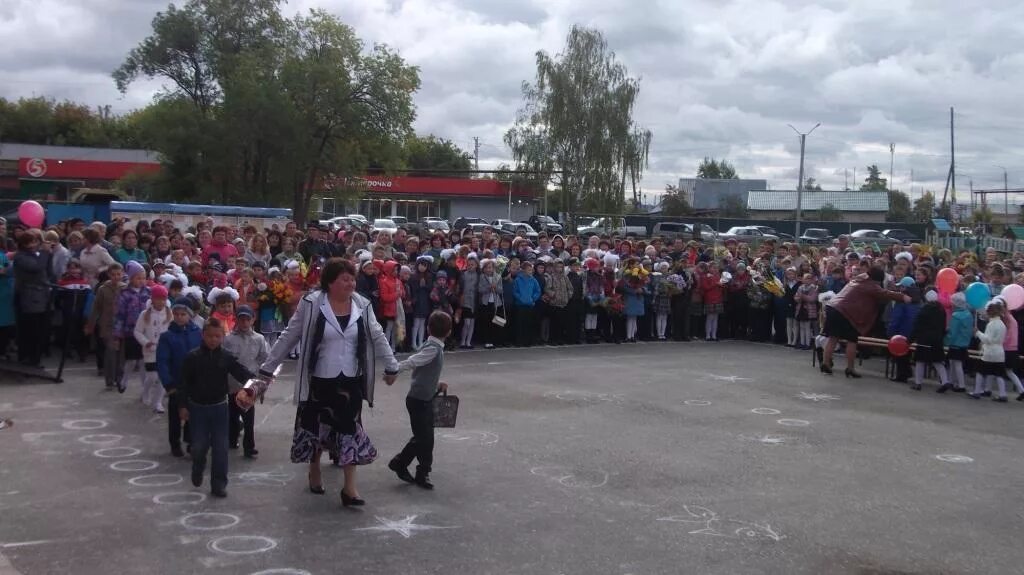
x=1013, y=295
x=31, y=214
x=947, y=280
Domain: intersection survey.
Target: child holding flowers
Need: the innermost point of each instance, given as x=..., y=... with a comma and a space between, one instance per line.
x=633, y=285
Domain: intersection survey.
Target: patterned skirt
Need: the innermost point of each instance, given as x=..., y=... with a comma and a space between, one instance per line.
x=330, y=421
x=710, y=308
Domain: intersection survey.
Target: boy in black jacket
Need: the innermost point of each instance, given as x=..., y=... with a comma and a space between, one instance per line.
x=204, y=382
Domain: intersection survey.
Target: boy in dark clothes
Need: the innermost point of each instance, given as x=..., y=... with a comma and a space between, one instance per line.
x=204, y=381
x=426, y=368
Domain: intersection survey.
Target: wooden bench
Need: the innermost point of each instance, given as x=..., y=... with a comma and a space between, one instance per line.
x=880, y=343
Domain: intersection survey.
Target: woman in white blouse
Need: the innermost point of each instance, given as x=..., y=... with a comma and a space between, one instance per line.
x=341, y=342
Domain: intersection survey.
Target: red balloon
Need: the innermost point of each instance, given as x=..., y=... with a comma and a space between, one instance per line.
x=899, y=346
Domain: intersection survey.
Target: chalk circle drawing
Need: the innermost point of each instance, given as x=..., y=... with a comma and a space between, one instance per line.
x=156, y=480
x=729, y=378
x=470, y=436
x=284, y=571
x=817, y=397
x=209, y=521
x=242, y=544
x=117, y=452
x=765, y=411
x=700, y=402
x=794, y=422
x=707, y=522
x=953, y=458
x=100, y=438
x=586, y=396
x=404, y=527
x=263, y=478
x=766, y=439
x=134, y=465
x=84, y=424
x=568, y=477
x=179, y=498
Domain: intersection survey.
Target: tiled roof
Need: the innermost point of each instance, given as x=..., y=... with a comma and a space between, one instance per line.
x=18, y=151
x=854, y=201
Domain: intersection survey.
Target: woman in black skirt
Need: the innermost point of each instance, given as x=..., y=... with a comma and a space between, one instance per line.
x=341, y=342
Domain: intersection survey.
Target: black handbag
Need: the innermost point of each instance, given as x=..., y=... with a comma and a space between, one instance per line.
x=446, y=409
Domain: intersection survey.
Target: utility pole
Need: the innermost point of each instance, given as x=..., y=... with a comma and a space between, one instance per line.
x=1006, y=194
x=476, y=153
x=892, y=162
x=800, y=185
x=846, y=179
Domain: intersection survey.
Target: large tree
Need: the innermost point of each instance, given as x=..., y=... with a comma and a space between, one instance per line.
x=263, y=109
x=674, y=202
x=924, y=207
x=42, y=120
x=711, y=169
x=423, y=154
x=874, y=181
x=576, y=126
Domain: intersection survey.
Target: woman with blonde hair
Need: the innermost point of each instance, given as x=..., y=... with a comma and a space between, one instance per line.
x=258, y=250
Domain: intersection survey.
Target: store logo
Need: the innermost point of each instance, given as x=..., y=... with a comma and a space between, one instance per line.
x=378, y=183
x=36, y=167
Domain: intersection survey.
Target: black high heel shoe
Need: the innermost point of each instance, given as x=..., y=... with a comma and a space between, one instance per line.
x=347, y=501
x=850, y=373
x=315, y=489
x=826, y=369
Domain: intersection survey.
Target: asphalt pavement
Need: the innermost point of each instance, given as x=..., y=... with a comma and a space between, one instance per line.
x=655, y=458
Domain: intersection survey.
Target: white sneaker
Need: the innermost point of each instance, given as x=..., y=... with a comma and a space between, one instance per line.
x=159, y=409
x=489, y=346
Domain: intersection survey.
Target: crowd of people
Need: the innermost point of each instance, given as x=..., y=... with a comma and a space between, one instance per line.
x=94, y=288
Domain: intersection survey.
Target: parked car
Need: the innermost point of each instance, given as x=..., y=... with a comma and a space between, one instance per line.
x=383, y=224
x=679, y=230
x=872, y=236
x=500, y=222
x=512, y=229
x=545, y=223
x=345, y=223
x=475, y=228
x=359, y=217
x=400, y=221
x=429, y=226
x=612, y=226
x=816, y=237
x=749, y=234
x=768, y=230
x=461, y=223
x=904, y=236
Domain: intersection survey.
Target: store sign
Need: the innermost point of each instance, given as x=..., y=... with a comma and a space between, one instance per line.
x=378, y=183
x=36, y=167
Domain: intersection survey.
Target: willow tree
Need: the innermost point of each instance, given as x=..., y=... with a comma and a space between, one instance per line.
x=576, y=127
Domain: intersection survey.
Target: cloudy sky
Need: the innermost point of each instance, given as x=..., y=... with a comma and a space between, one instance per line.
x=719, y=78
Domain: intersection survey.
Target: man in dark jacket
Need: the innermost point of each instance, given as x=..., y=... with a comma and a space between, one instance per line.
x=181, y=337
x=206, y=388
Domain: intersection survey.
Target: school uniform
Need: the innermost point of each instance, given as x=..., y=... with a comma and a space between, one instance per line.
x=251, y=350
x=426, y=368
x=148, y=329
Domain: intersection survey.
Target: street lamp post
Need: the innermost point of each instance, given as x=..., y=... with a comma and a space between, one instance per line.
x=1006, y=194
x=800, y=184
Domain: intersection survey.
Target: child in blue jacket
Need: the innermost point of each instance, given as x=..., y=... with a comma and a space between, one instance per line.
x=958, y=339
x=526, y=293
x=181, y=337
x=901, y=322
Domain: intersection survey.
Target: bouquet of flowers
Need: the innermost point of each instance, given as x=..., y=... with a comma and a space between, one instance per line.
x=771, y=284
x=615, y=305
x=673, y=285
x=637, y=276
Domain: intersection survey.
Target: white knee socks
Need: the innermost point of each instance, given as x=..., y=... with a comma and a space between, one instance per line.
x=418, y=327
x=590, y=321
x=805, y=333
x=940, y=370
x=711, y=326
x=467, y=331
x=1015, y=380
x=152, y=390
x=630, y=327
x=661, y=323
x=957, y=376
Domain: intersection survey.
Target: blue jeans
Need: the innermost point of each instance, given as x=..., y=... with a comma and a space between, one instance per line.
x=209, y=429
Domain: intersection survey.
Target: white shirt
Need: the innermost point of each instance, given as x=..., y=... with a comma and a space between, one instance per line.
x=338, y=348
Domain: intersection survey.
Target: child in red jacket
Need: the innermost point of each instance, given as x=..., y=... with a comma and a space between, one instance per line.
x=391, y=292
x=711, y=288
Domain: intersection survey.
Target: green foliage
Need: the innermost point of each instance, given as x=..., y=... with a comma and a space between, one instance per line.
x=576, y=126
x=48, y=122
x=812, y=185
x=899, y=207
x=732, y=206
x=674, y=202
x=829, y=213
x=263, y=109
x=982, y=216
x=433, y=153
x=924, y=207
x=710, y=169
x=874, y=181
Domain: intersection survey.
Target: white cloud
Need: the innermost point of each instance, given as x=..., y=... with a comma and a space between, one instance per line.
x=718, y=78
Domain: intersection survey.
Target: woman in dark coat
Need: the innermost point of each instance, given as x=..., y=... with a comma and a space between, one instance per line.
x=32, y=282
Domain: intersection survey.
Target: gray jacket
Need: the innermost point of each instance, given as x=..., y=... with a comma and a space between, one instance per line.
x=32, y=281
x=484, y=287
x=468, y=285
x=302, y=328
x=251, y=350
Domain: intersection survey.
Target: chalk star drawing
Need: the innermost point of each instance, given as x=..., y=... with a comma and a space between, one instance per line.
x=766, y=439
x=953, y=458
x=729, y=378
x=567, y=477
x=817, y=397
x=404, y=527
x=481, y=437
x=710, y=523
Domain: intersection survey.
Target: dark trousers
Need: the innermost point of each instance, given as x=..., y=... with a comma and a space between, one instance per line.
x=32, y=333
x=680, y=324
x=559, y=328
x=512, y=325
x=526, y=331
x=484, y=329
x=101, y=351
x=239, y=420
x=176, y=432
x=421, y=446
x=760, y=324
x=573, y=322
x=210, y=433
